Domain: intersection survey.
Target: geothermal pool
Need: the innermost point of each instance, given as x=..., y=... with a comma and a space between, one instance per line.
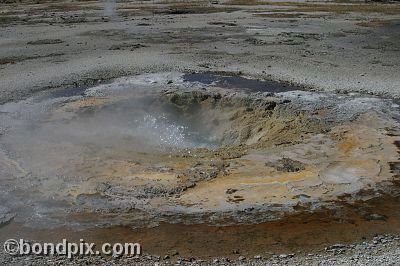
x=198, y=149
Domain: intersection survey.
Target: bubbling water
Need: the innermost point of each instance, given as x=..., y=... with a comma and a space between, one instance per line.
x=165, y=132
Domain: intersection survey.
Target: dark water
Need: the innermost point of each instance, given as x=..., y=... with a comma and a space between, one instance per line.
x=206, y=78
x=70, y=92
x=237, y=82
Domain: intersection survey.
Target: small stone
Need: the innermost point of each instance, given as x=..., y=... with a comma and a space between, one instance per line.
x=337, y=246
x=376, y=217
x=231, y=191
x=241, y=258
x=174, y=253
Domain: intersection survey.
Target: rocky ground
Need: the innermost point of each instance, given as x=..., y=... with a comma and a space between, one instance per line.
x=332, y=46
x=381, y=250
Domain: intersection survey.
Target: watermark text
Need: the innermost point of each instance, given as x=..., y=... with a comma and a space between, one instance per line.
x=65, y=248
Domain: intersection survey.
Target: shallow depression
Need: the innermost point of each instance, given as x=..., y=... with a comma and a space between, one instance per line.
x=158, y=148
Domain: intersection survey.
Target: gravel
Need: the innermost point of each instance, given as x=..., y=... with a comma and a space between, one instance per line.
x=381, y=250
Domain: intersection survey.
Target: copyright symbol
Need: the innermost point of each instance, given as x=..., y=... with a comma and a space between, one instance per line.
x=11, y=246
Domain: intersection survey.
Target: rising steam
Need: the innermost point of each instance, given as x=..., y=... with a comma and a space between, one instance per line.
x=109, y=8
